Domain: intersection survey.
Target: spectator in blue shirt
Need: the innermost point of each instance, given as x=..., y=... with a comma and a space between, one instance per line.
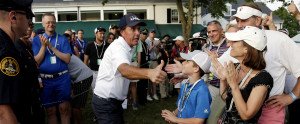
x=193, y=104
x=52, y=52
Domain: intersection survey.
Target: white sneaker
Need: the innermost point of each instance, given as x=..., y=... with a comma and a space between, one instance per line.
x=155, y=97
x=149, y=98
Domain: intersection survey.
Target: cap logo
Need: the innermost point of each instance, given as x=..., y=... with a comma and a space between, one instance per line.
x=240, y=9
x=133, y=18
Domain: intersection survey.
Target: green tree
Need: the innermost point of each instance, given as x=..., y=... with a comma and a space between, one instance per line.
x=217, y=8
x=289, y=22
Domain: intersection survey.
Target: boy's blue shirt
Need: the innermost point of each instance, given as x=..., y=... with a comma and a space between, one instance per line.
x=197, y=104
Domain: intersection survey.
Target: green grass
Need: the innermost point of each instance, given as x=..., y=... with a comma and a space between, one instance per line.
x=147, y=114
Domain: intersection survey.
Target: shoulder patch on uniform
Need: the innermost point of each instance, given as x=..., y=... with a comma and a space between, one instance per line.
x=9, y=66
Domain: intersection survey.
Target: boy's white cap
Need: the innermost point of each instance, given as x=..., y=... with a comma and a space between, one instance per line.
x=180, y=38
x=245, y=12
x=199, y=57
x=253, y=36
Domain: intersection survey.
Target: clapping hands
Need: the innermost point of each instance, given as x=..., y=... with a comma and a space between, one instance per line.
x=45, y=42
x=232, y=75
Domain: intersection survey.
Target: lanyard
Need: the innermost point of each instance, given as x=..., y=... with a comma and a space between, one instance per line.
x=81, y=45
x=219, y=46
x=50, y=42
x=240, y=86
x=96, y=45
x=185, y=96
x=146, y=50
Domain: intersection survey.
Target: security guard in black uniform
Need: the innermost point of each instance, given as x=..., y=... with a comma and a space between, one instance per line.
x=14, y=18
x=31, y=74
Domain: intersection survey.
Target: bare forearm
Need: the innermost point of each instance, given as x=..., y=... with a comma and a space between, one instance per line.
x=63, y=56
x=239, y=102
x=223, y=87
x=86, y=60
x=296, y=89
x=132, y=72
x=6, y=115
x=175, y=112
x=76, y=52
x=40, y=56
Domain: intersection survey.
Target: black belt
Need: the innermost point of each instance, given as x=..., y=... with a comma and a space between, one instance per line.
x=112, y=100
x=50, y=76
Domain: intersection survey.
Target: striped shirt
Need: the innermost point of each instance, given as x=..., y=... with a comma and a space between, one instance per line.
x=220, y=49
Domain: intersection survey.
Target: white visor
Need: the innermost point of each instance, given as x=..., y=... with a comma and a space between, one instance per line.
x=245, y=12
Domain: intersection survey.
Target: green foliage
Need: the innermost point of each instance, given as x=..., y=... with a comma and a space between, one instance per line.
x=217, y=8
x=289, y=22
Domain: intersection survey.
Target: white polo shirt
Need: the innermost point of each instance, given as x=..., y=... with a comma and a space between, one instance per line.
x=109, y=82
x=282, y=55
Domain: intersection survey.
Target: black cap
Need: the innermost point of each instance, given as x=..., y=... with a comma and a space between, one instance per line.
x=99, y=29
x=130, y=20
x=23, y=5
x=153, y=30
x=113, y=26
x=144, y=31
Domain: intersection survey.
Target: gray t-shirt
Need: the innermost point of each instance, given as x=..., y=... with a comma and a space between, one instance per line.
x=78, y=70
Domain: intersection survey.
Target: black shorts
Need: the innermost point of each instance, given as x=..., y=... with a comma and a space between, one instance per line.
x=80, y=92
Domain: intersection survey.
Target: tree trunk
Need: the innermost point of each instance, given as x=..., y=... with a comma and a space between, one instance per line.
x=186, y=18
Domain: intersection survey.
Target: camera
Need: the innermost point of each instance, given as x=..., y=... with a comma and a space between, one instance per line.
x=198, y=40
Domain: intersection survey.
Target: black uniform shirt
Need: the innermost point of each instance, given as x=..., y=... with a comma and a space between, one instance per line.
x=10, y=71
x=31, y=71
x=91, y=51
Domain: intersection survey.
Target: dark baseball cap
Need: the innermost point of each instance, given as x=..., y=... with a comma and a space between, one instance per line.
x=153, y=30
x=113, y=26
x=144, y=31
x=23, y=5
x=130, y=20
x=99, y=29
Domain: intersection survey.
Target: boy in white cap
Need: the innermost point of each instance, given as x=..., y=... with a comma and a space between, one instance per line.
x=194, y=99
